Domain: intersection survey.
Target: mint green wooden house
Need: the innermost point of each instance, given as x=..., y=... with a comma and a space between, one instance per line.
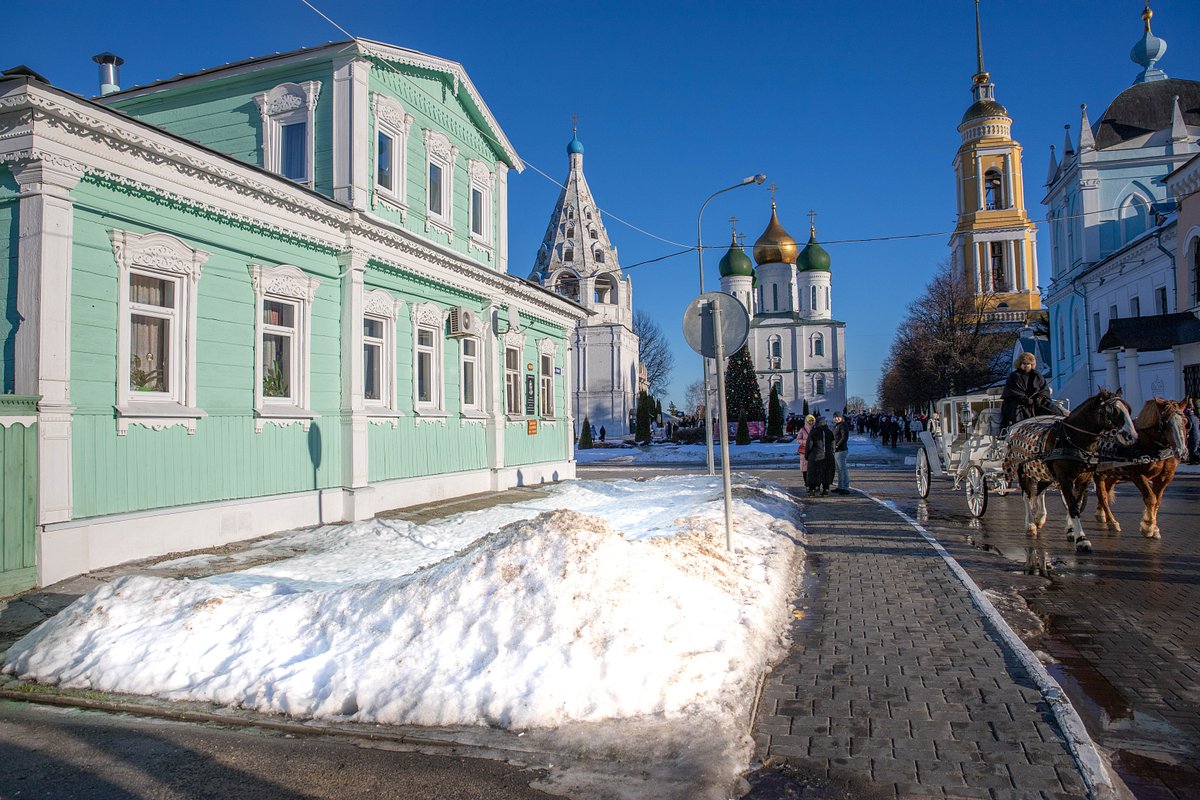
x=268, y=295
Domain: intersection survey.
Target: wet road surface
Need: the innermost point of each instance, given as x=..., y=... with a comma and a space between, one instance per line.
x=1122, y=624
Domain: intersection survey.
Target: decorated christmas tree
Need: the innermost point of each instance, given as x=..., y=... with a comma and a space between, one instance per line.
x=742, y=397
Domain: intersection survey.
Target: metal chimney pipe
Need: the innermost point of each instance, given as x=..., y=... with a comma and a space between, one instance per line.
x=110, y=72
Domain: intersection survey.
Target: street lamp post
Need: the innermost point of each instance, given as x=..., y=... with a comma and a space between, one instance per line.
x=708, y=442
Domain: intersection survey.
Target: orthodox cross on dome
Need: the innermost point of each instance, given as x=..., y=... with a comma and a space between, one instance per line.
x=812, y=222
x=733, y=225
x=574, y=123
x=772, y=189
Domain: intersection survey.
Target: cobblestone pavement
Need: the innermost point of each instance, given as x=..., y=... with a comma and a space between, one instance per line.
x=1120, y=623
x=895, y=684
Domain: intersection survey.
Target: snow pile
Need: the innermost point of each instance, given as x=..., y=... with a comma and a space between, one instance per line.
x=755, y=453
x=544, y=617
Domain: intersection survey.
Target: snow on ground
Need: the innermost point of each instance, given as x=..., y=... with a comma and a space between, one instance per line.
x=602, y=601
x=670, y=453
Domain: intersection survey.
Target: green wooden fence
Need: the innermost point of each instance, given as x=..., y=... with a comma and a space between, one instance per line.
x=18, y=493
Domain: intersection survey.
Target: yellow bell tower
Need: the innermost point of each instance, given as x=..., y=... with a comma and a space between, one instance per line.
x=994, y=244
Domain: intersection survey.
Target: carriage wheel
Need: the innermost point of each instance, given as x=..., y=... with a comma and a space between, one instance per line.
x=923, y=473
x=977, y=491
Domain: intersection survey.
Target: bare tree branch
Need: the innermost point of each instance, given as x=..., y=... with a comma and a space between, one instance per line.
x=653, y=351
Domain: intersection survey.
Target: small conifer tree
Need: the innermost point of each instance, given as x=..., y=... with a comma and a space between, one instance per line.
x=774, y=415
x=585, y=436
x=645, y=408
x=743, y=430
x=742, y=395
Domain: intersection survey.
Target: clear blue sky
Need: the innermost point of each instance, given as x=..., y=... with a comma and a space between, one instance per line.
x=850, y=108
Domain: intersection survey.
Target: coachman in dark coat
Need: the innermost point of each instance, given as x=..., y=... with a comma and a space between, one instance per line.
x=1025, y=393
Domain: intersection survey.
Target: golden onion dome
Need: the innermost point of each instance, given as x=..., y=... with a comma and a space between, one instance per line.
x=775, y=246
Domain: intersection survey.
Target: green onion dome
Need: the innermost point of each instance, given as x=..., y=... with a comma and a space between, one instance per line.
x=813, y=257
x=736, y=262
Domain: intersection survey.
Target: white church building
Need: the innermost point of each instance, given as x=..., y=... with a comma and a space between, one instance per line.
x=796, y=344
x=578, y=261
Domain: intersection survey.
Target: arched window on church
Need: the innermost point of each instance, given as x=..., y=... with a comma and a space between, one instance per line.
x=1135, y=218
x=571, y=232
x=570, y=213
x=777, y=385
x=827, y=304
x=599, y=254
x=569, y=254
x=1075, y=337
x=819, y=385
x=589, y=215
x=568, y=286
x=999, y=267
x=606, y=290
x=775, y=353
x=993, y=190
x=592, y=233
x=812, y=299
x=818, y=344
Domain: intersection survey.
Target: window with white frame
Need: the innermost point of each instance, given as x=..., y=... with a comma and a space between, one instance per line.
x=483, y=180
x=1062, y=339
x=512, y=380
x=777, y=385
x=156, y=362
x=1096, y=325
x=819, y=385
x=812, y=298
x=469, y=374
x=818, y=344
x=428, y=339
x=1075, y=333
x=440, y=156
x=1135, y=306
x=774, y=296
x=288, y=116
x=283, y=339
x=379, y=313
x=1160, y=300
x=374, y=366
x=392, y=124
x=775, y=352
x=546, y=383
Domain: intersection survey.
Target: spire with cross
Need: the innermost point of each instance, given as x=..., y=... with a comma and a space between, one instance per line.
x=733, y=227
x=575, y=123
x=772, y=189
x=812, y=222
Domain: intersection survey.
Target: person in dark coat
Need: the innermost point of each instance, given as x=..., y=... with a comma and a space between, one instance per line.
x=819, y=451
x=1025, y=393
x=841, y=452
x=602, y=433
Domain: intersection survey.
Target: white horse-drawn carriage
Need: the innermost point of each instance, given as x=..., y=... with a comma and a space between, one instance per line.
x=964, y=444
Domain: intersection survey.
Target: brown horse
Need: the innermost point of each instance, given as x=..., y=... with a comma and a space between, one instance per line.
x=1149, y=465
x=1044, y=451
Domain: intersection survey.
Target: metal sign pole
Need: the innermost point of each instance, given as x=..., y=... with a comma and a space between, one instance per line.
x=716, y=321
x=708, y=420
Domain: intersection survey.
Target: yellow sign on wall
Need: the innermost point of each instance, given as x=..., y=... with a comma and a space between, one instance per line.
x=531, y=427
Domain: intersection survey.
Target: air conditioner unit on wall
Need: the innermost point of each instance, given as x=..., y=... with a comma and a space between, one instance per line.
x=464, y=322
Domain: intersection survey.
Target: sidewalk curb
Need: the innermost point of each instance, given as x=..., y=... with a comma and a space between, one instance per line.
x=1091, y=764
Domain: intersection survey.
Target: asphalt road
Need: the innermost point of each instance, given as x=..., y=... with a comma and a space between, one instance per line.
x=58, y=754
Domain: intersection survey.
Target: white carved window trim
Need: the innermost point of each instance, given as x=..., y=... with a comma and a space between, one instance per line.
x=161, y=256
x=819, y=385
x=429, y=317
x=547, y=349
x=483, y=180
x=775, y=352
x=470, y=364
x=513, y=340
x=288, y=284
x=439, y=151
x=378, y=304
x=392, y=120
x=286, y=104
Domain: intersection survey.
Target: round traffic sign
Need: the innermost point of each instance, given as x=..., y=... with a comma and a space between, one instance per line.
x=698, y=324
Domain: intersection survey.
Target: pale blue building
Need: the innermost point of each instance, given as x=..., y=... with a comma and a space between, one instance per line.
x=1112, y=229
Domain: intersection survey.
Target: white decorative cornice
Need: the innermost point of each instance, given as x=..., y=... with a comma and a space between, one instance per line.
x=439, y=144
x=389, y=111
x=283, y=281
x=427, y=314
x=547, y=347
x=158, y=251
x=514, y=337
x=288, y=97
x=379, y=303
x=479, y=172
